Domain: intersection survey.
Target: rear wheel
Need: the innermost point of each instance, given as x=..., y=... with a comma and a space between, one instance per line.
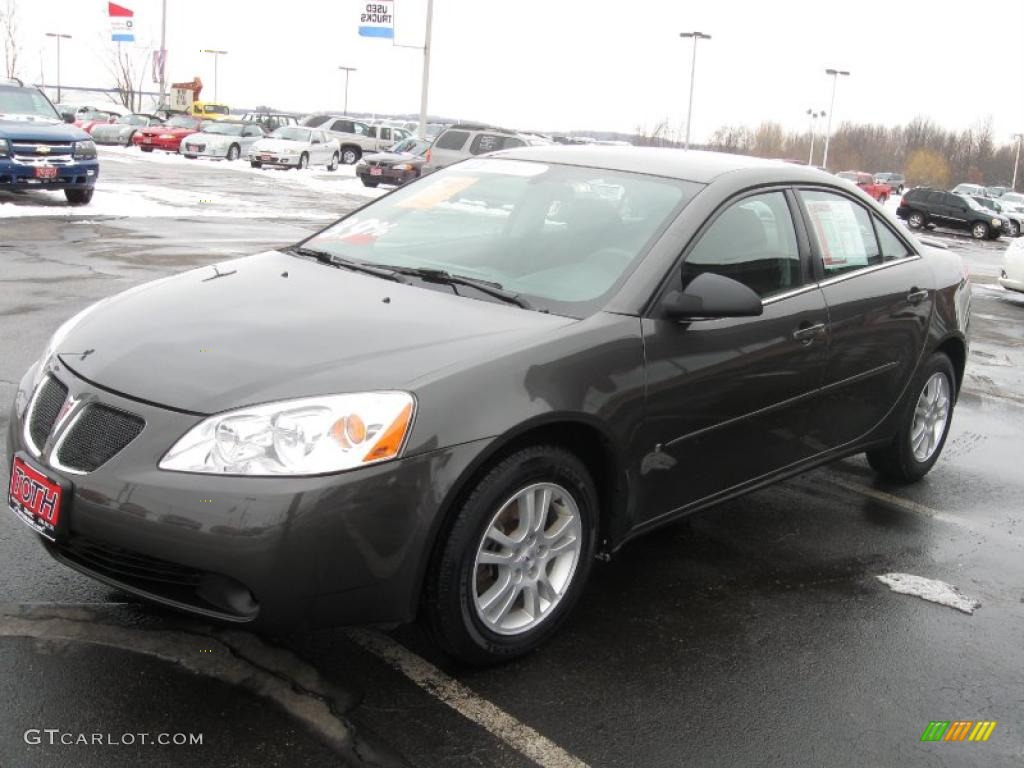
x=979, y=230
x=234, y=152
x=516, y=558
x=350, y=155
x=924, y=424
x=78, y=196
x=916, y=220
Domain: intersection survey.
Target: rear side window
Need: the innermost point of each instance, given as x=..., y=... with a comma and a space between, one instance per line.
x=846, y=238
x=489, y=142
x=753, y=242
x=938, y=198
x=315, y=121
x=451, y=140
x=343, y=126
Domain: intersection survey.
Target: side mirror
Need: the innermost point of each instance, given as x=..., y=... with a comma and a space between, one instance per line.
x=69, y=117
x=710, y=296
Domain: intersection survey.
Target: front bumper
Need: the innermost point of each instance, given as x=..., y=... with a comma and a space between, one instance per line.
x=279, y=161
x=206, y=150
x=74, y=174
x=281, y=553
x=386, y=176
x=152, y=142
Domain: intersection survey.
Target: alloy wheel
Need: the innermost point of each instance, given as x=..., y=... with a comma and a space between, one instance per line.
x=979, y=231
x=930, y=417
x=526, y=559
x=348, y=157
x=916, y=220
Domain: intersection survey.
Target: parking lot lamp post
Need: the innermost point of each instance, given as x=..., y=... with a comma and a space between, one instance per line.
x=216, y=59
x=59, y=37
x=814, y=121
x=422, y=128
x=835, y=73
x=1016, y=160
x=693, y=68
x=348, y=71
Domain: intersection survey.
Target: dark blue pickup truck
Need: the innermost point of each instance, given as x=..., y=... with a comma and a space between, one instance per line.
x=38, y=151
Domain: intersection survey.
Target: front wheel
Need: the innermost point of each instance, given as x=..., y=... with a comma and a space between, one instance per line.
x=146, y=149
x=255, y=163
x=923, y=425
x=370, y=182
x=979, y=230
x=234, y=152
x=303, y=162
x=516, y=558
x=334, y=162
x=78, y=196
x=916, y=220
x=1012, y=229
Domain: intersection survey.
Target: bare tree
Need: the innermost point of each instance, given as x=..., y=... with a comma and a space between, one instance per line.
x=9, y=35
x=126, y=65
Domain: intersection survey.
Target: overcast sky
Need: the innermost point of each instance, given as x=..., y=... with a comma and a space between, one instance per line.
x=573, y=64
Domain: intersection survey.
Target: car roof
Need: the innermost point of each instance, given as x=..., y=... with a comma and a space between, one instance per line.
x=689, y=165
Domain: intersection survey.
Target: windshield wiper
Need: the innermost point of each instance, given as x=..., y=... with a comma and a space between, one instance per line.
x=484, y=286
x=387, y=273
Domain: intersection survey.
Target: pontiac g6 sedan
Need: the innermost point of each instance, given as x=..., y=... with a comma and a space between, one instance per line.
x=447, y=404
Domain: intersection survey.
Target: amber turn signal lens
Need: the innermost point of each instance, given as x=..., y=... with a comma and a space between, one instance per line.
x=391, y=441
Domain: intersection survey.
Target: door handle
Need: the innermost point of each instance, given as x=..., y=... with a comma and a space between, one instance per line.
x=916, y=296
x=806, y=333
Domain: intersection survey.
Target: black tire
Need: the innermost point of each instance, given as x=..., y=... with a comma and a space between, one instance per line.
x=146, y=149
x=255, y=163
x=370, y=182
x=234, y=152
x=130, y=140
x=78, y=196
x=980, y=231
x=916, y=220
x=303, y=162
x=334, y=162
x=350, y=155
x=896, y=461
x=449, y=608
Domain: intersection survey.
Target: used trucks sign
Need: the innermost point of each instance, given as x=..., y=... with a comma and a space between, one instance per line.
x=377, y=19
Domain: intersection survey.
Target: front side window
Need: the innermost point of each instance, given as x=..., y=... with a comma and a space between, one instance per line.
x=843, y=230
x=452, y=140
x=753, y=241
x=560, y=236
x=892, y=247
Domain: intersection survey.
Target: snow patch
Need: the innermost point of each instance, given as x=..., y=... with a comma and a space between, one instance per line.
x=929, y=589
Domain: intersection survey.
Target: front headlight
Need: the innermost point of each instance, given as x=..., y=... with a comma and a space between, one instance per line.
x=5, y=147
x=997, y=223
x=309, y=436
x=402, y=167
x=84, y=150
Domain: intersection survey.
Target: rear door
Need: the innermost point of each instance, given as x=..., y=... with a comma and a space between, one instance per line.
x=879, y=294
x=727, y=398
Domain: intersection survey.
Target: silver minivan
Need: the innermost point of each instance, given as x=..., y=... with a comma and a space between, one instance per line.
x=457, y=142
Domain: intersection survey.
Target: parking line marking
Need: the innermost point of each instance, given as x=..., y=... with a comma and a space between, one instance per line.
x=897, y=501
x=484, y=713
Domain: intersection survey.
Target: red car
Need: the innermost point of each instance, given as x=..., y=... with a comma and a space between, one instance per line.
x=88, y=120
x=867, y=182
x=168, y=136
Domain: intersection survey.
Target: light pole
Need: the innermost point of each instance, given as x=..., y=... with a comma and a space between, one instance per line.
x=422, y=128
x=216, y=58
x=163, y=56
x=835, y=73
x=59, y=37
x=348, y=71
x=814, y=121
x=693, y=68
x=1016, y=160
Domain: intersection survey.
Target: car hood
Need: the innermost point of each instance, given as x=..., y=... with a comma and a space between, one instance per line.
x=26, y=130
x=276, y=145
x=275, y=326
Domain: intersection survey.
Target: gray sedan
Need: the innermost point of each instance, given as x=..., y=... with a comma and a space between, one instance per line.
x=120, y=131
x=222, y=140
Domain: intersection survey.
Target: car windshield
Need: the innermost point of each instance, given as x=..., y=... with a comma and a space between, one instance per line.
x=16, y=102
x=413, y=146
x=224, y=129
x=561, y=237
x=216, y=109
x=182, y=122
x=291, y=133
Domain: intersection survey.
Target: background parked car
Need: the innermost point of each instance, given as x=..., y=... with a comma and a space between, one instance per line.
x=400, y=164
x=878, y=190
x=88, y=120
x=969, y=189
x=122, y=130
x=462, y=140
x=168, y=136
x=895, y=181
x=293, y=146
x=1012, y=275
x=222, y=139
x=270, y=121
x=996, y=192
x=209, y=110
x=353, y=136
x=921, y=207
x=1012, y=220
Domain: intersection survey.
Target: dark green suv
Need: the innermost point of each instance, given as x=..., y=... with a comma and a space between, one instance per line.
x=921, y=207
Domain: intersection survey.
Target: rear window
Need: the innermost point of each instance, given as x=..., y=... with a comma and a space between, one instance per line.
x=489, y=142
x=452, y=140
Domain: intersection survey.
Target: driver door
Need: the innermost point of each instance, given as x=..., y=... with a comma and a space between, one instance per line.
x=727, y=398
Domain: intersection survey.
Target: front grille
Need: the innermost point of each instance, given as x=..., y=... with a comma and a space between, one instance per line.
x=46, y=409
x=96, y=436
x=124, y=565
x=31, y=149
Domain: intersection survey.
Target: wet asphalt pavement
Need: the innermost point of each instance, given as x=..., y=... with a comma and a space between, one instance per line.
x=754, y=633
